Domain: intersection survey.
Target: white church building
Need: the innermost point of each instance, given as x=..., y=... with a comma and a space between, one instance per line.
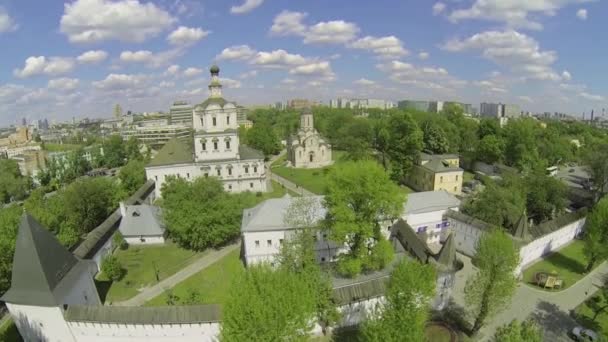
x=215, y=150
x=307, y=149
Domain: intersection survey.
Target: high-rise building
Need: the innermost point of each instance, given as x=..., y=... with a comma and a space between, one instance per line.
x=181, y=113
x=301, y=103
x=499, y=110
x=117, y=111
x=423, y=106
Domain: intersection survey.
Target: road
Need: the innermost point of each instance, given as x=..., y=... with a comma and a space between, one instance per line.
x=550, y=309
x=205, y=261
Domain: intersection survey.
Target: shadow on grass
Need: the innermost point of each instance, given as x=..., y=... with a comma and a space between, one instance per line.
x=560, y=260
x=103, y=287
x=350, y=334
x=555, y=322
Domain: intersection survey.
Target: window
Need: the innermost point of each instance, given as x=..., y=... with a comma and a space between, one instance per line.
x=229, y=171
x=257, y=243
x=188, y=175
x=228, y=144
x=269, y=243
x=438, y=225
x=255, y=169
x=455, y=189
x=246, y=169
x=251, y=185
x=281, y=242
x=229, y=187
x=206, y=174
x=228, y=120
x=214, y=121
x=322, y=259
x=441, y=179
x=215, y=145
x=219, y=172
x=456, y=177
x=204, y=145
x=155, y=177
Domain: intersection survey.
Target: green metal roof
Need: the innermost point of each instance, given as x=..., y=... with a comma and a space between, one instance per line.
x=145, y=315
x=440, y=165
x=175, y=151
x=557, y=223
x=213, y=100
x=40, y=263
x=360, y=291
x=248, y=153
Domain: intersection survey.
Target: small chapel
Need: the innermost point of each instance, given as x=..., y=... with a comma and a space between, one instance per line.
x=307, y=148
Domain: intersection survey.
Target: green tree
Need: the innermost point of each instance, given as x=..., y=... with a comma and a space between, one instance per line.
x=88, y=202
x=596, y=159
x=9, y=223
x=599, y=303
x=483, y=205
x=404, y=144
x=516, y=331
x=132, y=175
x=114, y=151
x=268, y=305
x=521, y=144
x=596, y=234
x=491, y=288
x=488, y=127
x=357, y=140
x=435, y=138
x=193, y=297
x=545, y=196
x=261, y=136
x=200, y=214
x=407, y=308
x=132, y=151
x=112, y=268
x=359, y=194
x=491, y=149
x=13, y=185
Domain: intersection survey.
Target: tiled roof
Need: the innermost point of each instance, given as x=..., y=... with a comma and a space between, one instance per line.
x=144, y=315
x=360, y=291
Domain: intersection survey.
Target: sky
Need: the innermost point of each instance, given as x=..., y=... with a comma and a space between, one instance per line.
x=79, y=58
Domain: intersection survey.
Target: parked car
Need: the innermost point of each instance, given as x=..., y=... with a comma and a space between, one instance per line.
x=582, y=334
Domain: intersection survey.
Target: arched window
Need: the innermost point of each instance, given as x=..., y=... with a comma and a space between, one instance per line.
x=214, y=121
x=227, y=140
x=228, y=119
x=215, y=147
x=229, y=167
x=204, y=144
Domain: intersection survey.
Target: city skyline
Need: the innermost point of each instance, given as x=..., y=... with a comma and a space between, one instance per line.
x=80, y=58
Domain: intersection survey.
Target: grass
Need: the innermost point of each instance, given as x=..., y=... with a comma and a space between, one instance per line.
x=468, y=176
x=213, y=283
x=141, y=263
x=313, y=180
x=569, y=263
x=9, y=332
x=61, y=147
x=584, y=315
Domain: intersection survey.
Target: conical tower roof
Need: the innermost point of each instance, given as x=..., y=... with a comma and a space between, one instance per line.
x=447, y=254
x=40, y=263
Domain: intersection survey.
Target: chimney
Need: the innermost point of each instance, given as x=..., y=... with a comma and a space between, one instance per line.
x=123, y=209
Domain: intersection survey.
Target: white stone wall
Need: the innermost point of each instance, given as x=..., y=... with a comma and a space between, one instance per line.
x=225, y=118
x=227, y=147
x=97, y=332
x=39, y=323
x=104, y=251
x=355, y=313
x=147, y=240
x=237, y=176
x=437, y=226
x=465, y=236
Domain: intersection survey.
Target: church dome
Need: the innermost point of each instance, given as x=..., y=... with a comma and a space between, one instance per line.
x=214, y=69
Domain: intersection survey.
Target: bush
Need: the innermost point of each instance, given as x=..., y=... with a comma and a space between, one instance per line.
x=382, y=255
x=349, y=266
x=119, y=241
x=112, y=268
x=258, y=194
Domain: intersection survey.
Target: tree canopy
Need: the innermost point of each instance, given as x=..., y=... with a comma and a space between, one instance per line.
x=596, y=234
x=13, y=185
x=516, y=331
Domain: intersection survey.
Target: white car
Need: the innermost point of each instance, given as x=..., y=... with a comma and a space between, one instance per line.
x=582, y=334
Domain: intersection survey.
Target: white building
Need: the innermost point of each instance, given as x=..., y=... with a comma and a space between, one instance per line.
x=361, y=103
x=307, y=149
x=425, y=213
x=215, y=150
x=141, y=224
x=181, y=113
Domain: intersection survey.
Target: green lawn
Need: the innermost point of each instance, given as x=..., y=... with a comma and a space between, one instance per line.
x=60, y=147
x=437, y=333
x=569, y=263
x=584, y=315
x=212, y=283
x=141, y=263
x=313, y=180
x=9, y=332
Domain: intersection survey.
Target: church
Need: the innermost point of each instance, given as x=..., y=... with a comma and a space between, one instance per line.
x=214, y=151
x=307, y=148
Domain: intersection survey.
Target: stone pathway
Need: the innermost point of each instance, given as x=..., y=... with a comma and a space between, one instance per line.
x=188, y=271
x=285, y=182
x=550, y=309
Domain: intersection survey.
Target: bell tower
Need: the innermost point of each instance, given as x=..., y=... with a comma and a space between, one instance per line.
x=306, y=120
x=215, y=87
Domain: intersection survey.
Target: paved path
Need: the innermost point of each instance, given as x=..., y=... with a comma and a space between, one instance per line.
x=188, y=271
x=550, y=309
x=286, y=183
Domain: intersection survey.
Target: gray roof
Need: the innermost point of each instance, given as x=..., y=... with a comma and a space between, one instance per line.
x=457, y=215
x=429, y=156
x=144, y=315
x=248, y=153
x=360, y=291
x=555, y=224
x=428, y=201
x=270, y=214
x=411, y=241
x=142, y=220
x=41, y=266
x=446, y=257
x=440, y=165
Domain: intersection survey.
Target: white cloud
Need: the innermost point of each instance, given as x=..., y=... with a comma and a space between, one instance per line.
x=288, y=23
x=526, y=99
x=582, y=14
x=592, y=97
x=421, y=77
x=141, y=56
x=566, y=75
x=63, y=83
x=172, y=70
x=119, y=82
x=92, y=57
x=384, y=47
x=365, y=82
x=150, y=59
x=322, y=68
x=166, y=84
x=278, y=59
x=438, y=8
x=335, y=56
x=89, y=21
x=517, y=51
x=331, y=32
x=230, y=83
x=513, y=13
x=191, y=72
x=288, y=81
x=247, y=6
x=44, y=66
x=7, y=24
x=186, y=35
x=423, y=55
x=248, y=74
x=236, y=52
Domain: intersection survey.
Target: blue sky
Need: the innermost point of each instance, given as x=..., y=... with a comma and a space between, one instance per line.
x=80, y=57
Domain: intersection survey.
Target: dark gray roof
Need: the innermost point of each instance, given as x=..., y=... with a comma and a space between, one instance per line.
x=175, y=151
x=522, y=229
x=457, y=215
x=557, y=223
x=145, y=315
x=248, y=153
x=410, y=241
x=142, y=220
x=360, y=291
x=40, y=263
x=97, y=237
x=440, y=165
x=429, y=156
x=427, y=201
x=446, y=257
